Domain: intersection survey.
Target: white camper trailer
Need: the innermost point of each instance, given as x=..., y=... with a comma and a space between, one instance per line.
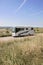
x=22, y=31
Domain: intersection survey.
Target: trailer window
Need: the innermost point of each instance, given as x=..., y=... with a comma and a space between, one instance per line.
x=18, y=29
x=31, y=28
x=13, y=30
x=26, y=28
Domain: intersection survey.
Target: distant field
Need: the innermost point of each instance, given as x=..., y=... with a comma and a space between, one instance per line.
x=22, y=51
x=5, y=32
x=8, y=31
x=38, y=30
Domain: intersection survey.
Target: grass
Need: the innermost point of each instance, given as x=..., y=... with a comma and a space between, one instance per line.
x=22, y=51
x=38, y=30
x=5, y=32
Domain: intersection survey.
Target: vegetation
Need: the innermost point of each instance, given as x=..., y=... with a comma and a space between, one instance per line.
x=5, y=32
x=22, y=51
x=38, y=30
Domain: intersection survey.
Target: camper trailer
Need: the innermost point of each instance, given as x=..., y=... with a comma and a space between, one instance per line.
x=22, y=31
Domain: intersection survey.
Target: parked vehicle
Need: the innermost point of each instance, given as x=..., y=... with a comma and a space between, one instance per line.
x=22, y=31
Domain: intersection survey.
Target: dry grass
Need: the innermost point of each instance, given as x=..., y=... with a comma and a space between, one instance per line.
x=22, y=51
x=38, y=30
x=5, y=32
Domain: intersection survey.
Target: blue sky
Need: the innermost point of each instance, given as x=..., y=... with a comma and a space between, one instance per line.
x=21, y=13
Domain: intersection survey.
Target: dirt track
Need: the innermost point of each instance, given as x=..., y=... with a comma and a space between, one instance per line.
x=3, y=39
x=12, y=38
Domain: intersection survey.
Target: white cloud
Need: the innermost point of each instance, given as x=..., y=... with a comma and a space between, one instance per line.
x=24, y=1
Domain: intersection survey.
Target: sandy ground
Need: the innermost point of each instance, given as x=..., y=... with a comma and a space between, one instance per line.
x=12, y=38
x=6, y=39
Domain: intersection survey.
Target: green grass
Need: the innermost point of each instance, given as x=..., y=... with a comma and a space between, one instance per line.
x=22, y=51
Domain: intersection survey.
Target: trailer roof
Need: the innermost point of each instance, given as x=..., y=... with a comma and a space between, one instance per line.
x=23, y=27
